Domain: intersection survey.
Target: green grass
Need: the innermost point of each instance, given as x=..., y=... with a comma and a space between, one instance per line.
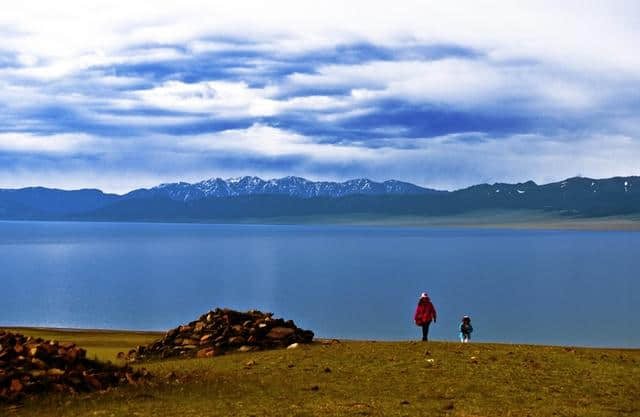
x=100, y=344
x=355, y=378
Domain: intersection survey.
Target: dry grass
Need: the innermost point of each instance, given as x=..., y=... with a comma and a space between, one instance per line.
x=354, y=378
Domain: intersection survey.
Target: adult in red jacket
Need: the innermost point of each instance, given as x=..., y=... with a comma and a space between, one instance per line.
x=425, y=313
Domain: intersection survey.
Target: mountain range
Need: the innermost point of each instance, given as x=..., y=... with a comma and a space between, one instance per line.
x=290, y=197
x=289, y=186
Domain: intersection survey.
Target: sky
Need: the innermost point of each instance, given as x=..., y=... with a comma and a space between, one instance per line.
x=118, y=95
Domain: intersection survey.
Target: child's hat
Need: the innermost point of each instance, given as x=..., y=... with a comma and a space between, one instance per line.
x=424, y=295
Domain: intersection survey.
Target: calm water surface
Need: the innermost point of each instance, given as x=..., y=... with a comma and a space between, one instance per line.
x=558, y=287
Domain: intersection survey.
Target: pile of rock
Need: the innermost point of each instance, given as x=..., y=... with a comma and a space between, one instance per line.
x=223, y=330
x=29, y=366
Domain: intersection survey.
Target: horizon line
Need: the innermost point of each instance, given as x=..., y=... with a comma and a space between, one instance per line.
x=319, y=181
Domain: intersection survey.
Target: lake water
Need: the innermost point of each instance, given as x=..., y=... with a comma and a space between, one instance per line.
x=550, y=287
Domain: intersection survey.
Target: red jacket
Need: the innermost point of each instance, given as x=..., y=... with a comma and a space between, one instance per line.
x=425, y=312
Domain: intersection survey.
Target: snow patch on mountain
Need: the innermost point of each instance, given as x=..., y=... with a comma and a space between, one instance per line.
x=290, y=186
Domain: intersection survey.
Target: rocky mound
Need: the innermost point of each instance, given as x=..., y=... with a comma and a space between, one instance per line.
x=222, y=330
x=29, y=366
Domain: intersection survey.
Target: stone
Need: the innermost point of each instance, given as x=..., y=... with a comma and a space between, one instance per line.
x=92, y=381
x=280, y=333
x=130, y=378
x=307, y=336
x=38, y=363
x=38, y=373
x=71, y=354
x=55, y=372
x=206, y=353
x=293, y=346
x=236, y=340
x=16, y=385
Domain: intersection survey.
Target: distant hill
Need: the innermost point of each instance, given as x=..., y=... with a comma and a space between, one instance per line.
x=40, y=202
x=252, y=197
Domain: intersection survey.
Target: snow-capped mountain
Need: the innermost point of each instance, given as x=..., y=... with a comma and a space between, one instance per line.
x=294, y=196
x=290, y=186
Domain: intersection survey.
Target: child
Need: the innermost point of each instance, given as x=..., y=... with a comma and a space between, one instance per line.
x=465, y=329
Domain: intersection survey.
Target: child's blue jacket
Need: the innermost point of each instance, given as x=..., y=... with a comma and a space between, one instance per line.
x=468, y=329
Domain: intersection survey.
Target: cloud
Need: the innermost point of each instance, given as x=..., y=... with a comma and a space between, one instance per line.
x=458, y=83
x=446, y=162
x=442, y=93
x=221, y=98
x=55, y=144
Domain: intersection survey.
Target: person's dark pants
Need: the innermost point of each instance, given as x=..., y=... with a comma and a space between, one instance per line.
x=425, y=331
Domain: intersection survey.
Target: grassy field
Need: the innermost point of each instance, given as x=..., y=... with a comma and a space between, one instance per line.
x=360, y=378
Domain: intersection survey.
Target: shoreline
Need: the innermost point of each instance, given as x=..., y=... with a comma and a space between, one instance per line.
x=588, y=224
x=72, y=330
x=119, y=332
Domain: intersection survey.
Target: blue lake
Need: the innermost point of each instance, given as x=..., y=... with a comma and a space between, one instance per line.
x=530, y=286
